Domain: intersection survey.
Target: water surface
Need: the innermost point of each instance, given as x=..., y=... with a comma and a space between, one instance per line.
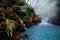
x=44, y=31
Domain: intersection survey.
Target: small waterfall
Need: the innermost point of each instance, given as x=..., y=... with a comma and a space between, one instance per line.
x=43, y=8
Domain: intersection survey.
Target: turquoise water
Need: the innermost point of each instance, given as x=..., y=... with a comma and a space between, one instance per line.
x=43, y=31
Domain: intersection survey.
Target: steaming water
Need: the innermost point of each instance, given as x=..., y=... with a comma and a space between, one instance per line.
x=43, y=8
x=43, y=30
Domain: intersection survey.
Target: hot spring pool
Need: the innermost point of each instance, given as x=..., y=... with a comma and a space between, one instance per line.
x=43, y=31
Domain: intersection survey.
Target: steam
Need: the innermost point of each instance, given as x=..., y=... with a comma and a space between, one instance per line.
x=43, y=8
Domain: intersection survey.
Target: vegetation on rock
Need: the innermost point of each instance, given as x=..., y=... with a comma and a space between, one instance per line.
x=15, y=17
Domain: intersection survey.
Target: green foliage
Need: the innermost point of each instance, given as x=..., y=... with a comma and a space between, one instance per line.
x=11, y=25
x=28, y=9
x=13, y=22
x=20, y=2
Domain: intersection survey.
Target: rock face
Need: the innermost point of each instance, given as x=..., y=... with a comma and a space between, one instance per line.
x=15, y=18
x=56, y=20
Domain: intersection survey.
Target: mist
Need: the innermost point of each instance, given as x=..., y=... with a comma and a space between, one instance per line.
x=44, y=9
